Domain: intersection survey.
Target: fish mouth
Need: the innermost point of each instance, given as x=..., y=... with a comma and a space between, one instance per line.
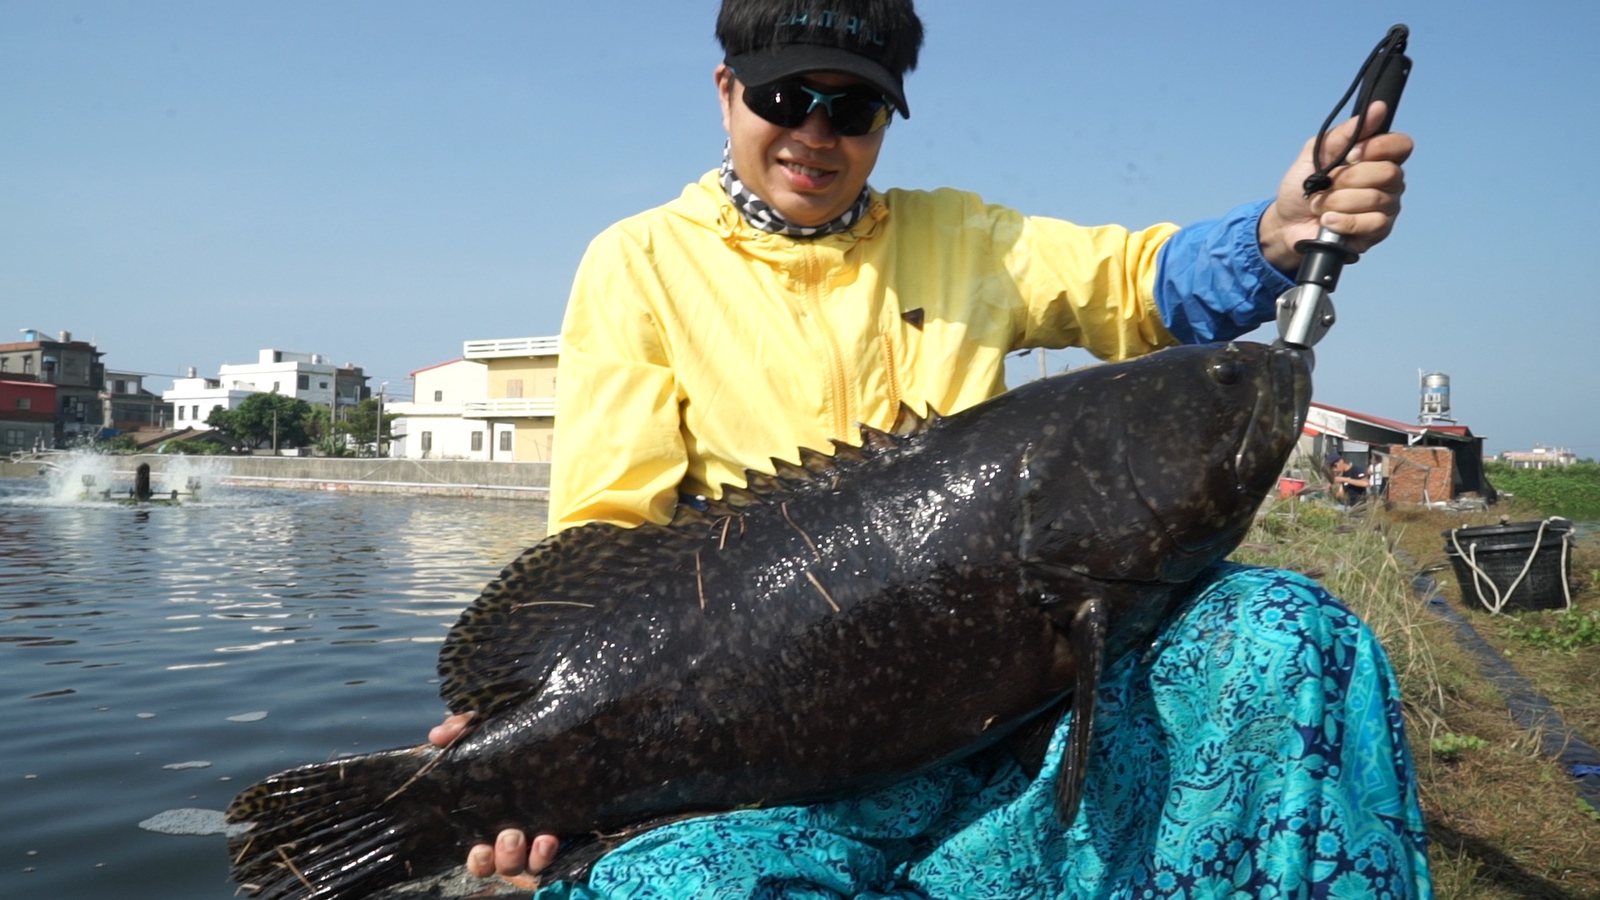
x=1282, y=399
x=1283, y=394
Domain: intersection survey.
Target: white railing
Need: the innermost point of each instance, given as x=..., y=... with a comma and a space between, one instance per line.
x=521, y=407
x=528, y=346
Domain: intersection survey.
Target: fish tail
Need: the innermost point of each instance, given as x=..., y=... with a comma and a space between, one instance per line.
x=339, y=829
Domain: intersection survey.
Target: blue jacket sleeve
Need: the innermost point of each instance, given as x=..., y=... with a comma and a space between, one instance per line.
x=1212, y=283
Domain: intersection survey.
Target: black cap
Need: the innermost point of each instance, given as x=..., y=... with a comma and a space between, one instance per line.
x=811, y=42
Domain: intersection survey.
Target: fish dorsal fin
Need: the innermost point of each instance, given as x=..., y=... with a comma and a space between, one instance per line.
x=506, y=642
x=738, y=498
x=816, y=462
x=762, y=484
x=790, y=474
x=716, y=509
x=907, y=422
x=846, y=452
x=874, y=441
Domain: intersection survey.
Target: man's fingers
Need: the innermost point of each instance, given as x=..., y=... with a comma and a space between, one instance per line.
x=1370, y=145
x=1393, y=146
x=480, y=861
x=1344, y=134
x=510, y=853
x=449, y=730
x=512, y=857
x=1361, y=231
x=543, y=852
x=1357, y=200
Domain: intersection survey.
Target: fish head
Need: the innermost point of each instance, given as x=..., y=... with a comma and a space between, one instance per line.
x=1152, y=469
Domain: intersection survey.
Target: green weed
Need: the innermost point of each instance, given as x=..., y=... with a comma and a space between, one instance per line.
x=1568, y=632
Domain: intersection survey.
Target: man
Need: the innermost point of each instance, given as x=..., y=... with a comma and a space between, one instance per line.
x=779, y=300
x=1350, y=481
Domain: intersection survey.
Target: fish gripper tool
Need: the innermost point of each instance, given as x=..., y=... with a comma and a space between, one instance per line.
x=1305, y=311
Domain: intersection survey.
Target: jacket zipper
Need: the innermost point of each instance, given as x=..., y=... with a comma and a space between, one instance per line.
x=895, y=397
x=839, y=387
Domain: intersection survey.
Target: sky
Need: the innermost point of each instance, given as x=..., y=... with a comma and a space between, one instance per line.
x=186, y=183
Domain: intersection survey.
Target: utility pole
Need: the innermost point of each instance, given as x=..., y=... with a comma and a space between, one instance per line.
x=274, y=432
x=377, y=434
x=1042, y=370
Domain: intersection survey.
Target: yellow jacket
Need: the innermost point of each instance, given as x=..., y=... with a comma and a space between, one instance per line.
x=695, y=346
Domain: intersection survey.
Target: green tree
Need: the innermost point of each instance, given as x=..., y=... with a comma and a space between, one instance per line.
x=361, y=423
x=318, y=424
x=253, y=421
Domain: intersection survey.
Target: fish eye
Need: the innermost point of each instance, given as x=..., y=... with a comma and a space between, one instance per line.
x=1225, y=371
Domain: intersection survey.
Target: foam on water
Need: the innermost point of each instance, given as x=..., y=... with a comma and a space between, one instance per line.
x=81, y=478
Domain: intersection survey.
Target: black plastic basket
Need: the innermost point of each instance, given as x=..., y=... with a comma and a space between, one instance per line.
x=1501, y=552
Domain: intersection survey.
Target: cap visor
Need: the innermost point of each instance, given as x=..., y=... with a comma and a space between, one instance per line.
x=774, y=63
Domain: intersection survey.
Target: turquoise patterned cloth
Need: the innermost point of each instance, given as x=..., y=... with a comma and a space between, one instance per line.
x=1256, y=750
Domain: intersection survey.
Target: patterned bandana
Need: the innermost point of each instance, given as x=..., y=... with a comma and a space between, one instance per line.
x=760, y=215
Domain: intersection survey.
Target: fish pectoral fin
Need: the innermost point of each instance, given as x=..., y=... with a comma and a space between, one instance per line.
x=1088, y=636
x=1030, y=742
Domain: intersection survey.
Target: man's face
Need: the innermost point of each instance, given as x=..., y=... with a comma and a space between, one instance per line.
x=809, y=174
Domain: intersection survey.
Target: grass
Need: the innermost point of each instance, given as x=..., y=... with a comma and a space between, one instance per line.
x=1505, y=821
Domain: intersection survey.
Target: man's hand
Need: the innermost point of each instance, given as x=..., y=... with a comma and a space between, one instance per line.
x=1361, y=204
x=512, y=857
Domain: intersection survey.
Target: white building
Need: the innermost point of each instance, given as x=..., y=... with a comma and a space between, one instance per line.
x=431, y=426
x=497, y=403
x=304, y=376
x=1540, y=457
x=193, y=399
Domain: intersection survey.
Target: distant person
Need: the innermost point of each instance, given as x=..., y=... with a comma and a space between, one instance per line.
x=779, y=300
x=1350, y=481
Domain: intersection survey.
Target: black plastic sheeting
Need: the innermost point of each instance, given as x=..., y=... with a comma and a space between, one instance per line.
x=1529, y=708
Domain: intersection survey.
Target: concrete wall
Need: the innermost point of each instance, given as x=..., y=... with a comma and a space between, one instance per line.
x=451, y=478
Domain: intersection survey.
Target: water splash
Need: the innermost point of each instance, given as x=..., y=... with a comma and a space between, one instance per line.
x=89, y=479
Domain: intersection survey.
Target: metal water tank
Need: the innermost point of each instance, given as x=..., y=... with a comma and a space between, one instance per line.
x=1435, y=397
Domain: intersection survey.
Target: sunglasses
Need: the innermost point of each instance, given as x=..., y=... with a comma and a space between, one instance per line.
x=852, y=111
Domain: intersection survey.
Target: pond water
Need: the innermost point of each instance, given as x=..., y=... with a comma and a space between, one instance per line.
x=140, y=646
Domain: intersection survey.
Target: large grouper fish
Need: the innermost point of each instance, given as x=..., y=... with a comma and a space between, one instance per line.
x=847, y=621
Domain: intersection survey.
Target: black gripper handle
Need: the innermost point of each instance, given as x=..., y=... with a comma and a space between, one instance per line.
x=1387, y=80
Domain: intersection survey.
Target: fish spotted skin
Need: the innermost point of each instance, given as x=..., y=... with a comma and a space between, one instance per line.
x=845, y=623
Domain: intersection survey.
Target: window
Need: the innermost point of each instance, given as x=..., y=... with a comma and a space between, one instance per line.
x=194, y=412
x=15, y=437
x=427, y=441
x=302, y=382
x=505, y=442
x=438, y=397
x=180, y=414
x=24, y=403
x=477, y=439
x=323, y=385
x=275, y=385
x=5, y=363
x=27, y=364
x=513, y=388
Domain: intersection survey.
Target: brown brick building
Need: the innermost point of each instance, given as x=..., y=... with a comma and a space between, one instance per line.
x=72, y=366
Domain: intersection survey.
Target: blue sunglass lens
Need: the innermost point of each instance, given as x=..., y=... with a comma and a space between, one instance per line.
x=854, y=111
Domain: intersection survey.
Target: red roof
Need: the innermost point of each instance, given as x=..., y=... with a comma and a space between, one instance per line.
x=1406, y=427
x=434, y=366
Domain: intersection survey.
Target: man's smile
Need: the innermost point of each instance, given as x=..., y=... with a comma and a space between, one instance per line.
x=807, y=177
